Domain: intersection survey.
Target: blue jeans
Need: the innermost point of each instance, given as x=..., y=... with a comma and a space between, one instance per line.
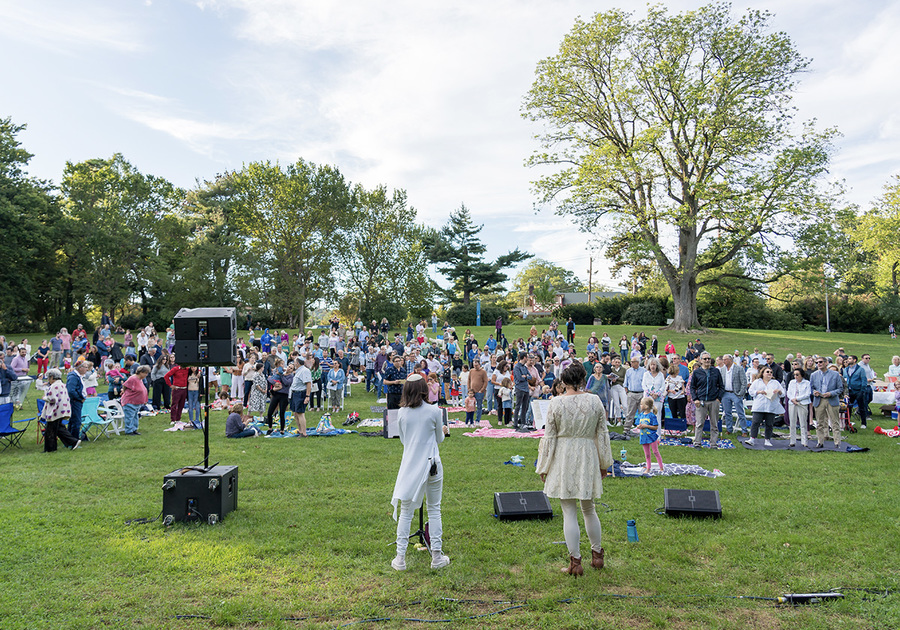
x=624, y=357
x=490, y=396
x=479, y=399
x=243, y=434
x=131, y=417
x=370, y=378
x=732, y=404
x=193, y=405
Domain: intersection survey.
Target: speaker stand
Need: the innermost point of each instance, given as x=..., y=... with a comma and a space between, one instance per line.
x=421, y=533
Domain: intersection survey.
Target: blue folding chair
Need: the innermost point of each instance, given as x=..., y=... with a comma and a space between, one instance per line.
x=91, y=419
x=9, y=435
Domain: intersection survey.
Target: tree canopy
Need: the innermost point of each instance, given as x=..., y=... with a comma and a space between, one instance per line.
x=679, y=130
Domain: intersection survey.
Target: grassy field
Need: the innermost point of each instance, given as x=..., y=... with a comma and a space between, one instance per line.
x=310, y=542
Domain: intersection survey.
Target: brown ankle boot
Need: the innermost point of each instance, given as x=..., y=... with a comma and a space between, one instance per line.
x=574, y=567
x=597, y=558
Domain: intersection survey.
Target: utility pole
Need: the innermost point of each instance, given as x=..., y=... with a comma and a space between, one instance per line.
x=590, y=273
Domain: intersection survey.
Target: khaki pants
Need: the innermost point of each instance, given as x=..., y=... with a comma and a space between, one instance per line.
x=826, y=414
x=704, y=409
x=634, y=402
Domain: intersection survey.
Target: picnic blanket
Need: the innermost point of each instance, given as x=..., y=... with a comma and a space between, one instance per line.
x=686, y=441
x=627, y=469
x=784, y=445
x=491, y=432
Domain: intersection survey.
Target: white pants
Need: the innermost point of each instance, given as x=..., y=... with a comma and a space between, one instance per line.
x=618, y=401
x=19, y=389
x=570, y=525
x=798, y=414
x=433, y=489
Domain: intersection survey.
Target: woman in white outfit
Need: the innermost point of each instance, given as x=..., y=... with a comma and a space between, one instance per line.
x=766, y=393
x=654, y=384
x=421, y=473
x=798, y=395
x=572, y=460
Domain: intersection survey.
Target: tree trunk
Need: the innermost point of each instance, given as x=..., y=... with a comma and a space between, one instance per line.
x=302, y=310
x=684, y=294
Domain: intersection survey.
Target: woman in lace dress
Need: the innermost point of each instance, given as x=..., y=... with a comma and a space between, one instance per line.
x=572, y=461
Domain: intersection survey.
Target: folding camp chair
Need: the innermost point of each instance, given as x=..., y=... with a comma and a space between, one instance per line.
x=90, y=419
x=9, y=435
x=40, y=423
x=113, y=411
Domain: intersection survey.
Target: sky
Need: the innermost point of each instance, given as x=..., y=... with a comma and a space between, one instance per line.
x=415, y=95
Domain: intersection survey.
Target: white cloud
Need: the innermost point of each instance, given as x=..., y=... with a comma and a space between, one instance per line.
x=60, y=27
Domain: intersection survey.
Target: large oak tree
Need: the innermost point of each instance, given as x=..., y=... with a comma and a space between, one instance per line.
x=678, y=129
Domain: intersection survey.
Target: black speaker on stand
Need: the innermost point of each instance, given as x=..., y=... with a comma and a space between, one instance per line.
x=204, y=337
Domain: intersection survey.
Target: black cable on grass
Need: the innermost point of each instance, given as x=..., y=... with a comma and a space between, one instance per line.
x=143, y=521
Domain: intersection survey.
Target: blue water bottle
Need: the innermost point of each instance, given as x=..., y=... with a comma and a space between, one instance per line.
x=623, y=454
x=632, y=531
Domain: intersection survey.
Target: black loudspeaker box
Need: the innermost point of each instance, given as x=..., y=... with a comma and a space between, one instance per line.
x=213, y=352
x=206, y=336
x=702, y=503
x=194, y=495
x=517, y=506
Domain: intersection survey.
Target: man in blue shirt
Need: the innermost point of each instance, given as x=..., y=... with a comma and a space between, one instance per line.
x=634, y=390
x=858, y=388
x=521, y=376
x=827, y=388
x=75, y=388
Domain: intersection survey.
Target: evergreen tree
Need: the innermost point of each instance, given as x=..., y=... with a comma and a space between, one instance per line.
x=459, y=254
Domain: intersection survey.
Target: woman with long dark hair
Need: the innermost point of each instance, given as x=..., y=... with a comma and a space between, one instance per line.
x=572, y=460
x=421, y=473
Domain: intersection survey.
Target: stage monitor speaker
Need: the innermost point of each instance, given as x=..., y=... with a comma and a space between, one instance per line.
x=391, y=430
x=518, y=506
x=700, y=503
x=195, y=495
x=206, y=336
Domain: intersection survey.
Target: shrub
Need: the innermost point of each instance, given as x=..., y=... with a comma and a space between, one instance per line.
x=611, y=311
x=464, y=314
x=644, y=314
x=580, y=313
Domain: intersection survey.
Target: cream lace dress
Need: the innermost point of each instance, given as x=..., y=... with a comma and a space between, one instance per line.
x=575, y=447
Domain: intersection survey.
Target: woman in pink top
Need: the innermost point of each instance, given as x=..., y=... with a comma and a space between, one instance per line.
x=134, y=396
x=66, y=340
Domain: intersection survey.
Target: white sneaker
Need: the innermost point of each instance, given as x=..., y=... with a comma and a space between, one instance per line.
x=751, y=441
x=767, y=443
x=399, y=563
x=439, y=560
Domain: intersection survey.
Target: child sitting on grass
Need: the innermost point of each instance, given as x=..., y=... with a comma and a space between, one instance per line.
x=648, y=424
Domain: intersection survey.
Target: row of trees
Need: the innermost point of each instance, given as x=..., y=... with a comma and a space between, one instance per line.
x=273, y=239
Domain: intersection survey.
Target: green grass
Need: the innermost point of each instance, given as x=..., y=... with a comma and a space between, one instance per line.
x=311, y=536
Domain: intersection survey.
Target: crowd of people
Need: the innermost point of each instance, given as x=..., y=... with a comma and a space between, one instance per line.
x=277, y=373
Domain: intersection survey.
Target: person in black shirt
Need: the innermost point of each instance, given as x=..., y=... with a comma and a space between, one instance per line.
x=394, y=377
